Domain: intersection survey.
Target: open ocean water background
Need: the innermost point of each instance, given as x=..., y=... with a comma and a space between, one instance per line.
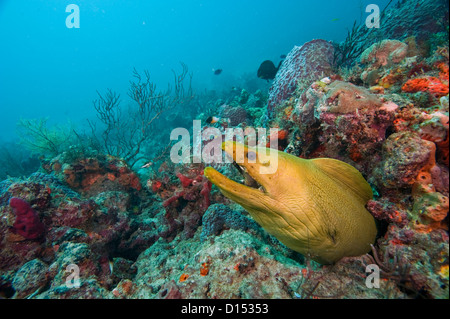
x=49, y=70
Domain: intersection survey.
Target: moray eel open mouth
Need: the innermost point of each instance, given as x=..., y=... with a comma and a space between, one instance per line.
x=315, y=207
x=248, y=179
x=245, y=161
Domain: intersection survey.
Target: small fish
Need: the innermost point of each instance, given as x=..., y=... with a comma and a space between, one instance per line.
x=267, y=70
x=111, y=266
x=147, y=165
x=335, y=20
x=283, y=56
x=217, y=72
x=212, y=119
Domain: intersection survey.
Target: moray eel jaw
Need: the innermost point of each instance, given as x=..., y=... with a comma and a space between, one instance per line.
x=315, y=207
x=249, y=197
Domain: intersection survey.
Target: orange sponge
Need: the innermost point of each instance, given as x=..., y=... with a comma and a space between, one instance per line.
x=427, y=84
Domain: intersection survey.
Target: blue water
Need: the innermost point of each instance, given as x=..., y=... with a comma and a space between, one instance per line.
x=49, y=70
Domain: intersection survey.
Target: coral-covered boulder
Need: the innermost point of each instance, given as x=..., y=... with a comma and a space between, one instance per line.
x=309, y=62
x=404, y=155
x=340, y=120
x=73, y=213
x=95, y=174
x=379, y=58
x=343, y=97
x=384, y=53
x=234, y=114
x=30, y=277
x=219, y=217
x=429, y=211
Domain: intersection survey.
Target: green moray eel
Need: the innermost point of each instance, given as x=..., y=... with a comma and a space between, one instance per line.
x=315, y=207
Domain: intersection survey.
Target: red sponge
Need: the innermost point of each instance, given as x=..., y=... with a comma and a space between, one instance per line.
x=27, y=222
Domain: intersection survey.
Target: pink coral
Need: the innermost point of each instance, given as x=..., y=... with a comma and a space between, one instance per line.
x=27, y=222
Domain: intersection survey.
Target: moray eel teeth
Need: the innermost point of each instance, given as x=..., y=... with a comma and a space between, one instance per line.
x=315, y=207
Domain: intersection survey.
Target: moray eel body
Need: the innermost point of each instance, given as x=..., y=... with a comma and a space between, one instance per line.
x=315, y=207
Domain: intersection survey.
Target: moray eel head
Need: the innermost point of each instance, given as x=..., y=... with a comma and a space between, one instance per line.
x=315, y=207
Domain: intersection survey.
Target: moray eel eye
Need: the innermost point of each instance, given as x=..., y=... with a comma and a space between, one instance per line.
x=315, y=207
x=251, y=156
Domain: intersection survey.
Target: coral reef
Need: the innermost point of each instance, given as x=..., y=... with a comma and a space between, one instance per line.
x=235, y=114
x=387, y=52
x=219, y=217
x=166, y=232
x=310, y=62
x=324, y=115
x=45, y=223
x=235, y=258
x=404, y=156
x=93, y=175
x=427, y=32
x=400, y=22
x=387, y=116
x=428, y=84
x=185, y=207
